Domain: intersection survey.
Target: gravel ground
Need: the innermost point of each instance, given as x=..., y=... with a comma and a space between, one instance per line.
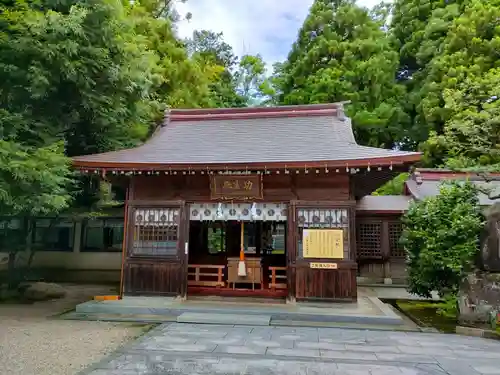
x=31, y=343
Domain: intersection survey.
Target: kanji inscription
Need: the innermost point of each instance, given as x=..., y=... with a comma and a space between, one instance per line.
x=324, y=266
x=236, y=187
x=323, y=243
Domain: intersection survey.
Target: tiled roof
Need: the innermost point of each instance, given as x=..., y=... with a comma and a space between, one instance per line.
x=425, y=183
x=301, y=134
x=384, y=203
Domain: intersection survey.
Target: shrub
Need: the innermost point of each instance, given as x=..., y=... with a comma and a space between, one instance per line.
x=441, y=239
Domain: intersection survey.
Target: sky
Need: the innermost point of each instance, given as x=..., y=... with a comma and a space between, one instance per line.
x=267, y=27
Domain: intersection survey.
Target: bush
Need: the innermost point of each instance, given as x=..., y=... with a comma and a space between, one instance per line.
x=441, y=239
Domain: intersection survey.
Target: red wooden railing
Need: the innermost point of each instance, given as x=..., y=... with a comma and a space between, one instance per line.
x=212, y=275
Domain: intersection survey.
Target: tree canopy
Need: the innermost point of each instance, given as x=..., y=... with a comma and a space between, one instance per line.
x=342, y=53
x=461, y=90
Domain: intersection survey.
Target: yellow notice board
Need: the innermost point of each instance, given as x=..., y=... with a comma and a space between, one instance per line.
x=323, y=243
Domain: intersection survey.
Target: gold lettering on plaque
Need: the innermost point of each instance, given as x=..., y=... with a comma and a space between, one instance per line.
x=231, y=184
x=236, y=187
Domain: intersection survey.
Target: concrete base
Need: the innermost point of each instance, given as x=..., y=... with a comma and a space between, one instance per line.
x=477, y=332
x=392, y=291
x=369, y=310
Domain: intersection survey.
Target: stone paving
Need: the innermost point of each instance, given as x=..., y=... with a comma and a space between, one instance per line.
x=183, y=349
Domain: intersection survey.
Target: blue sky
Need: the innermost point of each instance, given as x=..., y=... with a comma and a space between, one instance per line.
x=268, y=27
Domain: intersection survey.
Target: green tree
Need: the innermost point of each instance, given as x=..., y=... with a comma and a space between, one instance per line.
x=418, y=29
x=441, y=238
x=342, y=53
x=82, y=75
x=252, y=81
x=75, y=78
x=460, y=93
x=33, y=182
x=179, y=82
x=164, y=9
x=210, y=49
x=211, y=46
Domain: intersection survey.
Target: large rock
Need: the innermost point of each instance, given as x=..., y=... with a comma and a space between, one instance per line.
x=40, y=291
x=479, y=296
x=490, y=241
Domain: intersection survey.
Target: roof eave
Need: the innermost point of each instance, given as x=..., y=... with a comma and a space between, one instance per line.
x=348, y=163
x=380, y=211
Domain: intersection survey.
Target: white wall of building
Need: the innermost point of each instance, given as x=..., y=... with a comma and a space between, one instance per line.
x=78, y=261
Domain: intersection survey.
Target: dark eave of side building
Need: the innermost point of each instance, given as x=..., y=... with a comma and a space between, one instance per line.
x=424, y=183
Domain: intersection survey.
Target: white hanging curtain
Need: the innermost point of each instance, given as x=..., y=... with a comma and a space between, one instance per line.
x=255, y=211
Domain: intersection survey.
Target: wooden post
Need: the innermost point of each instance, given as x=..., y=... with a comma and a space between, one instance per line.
x=124, y=243
x=219, y=277
x=273, y=278
x=242, y=245
x=197, y=274
x=386, y=252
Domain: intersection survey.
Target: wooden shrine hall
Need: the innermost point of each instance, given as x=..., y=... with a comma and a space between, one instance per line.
x=246, y=202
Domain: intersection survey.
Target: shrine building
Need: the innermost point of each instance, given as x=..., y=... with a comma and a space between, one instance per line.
x=266, y=202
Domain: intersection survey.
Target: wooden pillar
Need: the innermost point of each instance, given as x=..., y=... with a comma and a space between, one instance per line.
x=184, y=248
x=386, y=252
x=291, y=252
x=125, y=242
x=353, y=256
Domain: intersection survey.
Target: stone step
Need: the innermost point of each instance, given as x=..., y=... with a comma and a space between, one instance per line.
x=158, y=319
x=377, y=312
x=229, y=319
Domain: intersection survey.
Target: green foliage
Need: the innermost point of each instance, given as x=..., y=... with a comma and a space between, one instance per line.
x=342, y=53
x=33, y=181
x=237, y=82
x=439, y=315
x=448, y=60
x=417, y=30
x=462, y=88
x=182, y=82
x=210, y=49
x=90, y=62
x=441, y=238
x=393, y=187
x=210, y=46
x=252, y=82
x=449, y=307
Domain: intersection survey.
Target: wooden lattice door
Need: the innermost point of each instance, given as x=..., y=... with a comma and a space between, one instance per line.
x=156, y=261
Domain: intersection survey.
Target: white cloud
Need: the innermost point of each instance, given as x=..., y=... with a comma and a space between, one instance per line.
x=268, y=27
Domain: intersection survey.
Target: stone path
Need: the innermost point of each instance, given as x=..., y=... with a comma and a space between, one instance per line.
x=183, y=349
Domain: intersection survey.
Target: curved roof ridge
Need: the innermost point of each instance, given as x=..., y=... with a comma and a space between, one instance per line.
x=294, y=135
